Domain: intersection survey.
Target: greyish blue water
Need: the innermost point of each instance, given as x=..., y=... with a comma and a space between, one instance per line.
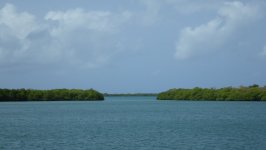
x=133, y=123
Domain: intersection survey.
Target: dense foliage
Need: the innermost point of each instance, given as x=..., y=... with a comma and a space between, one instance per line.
x=251, y=93
x=49, y=95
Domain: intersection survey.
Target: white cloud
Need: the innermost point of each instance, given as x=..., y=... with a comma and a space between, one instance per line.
x=74, y=37
x=87, y=38
x=19, y=24
x=14, y=29
x=207, y=37
x=103, y=21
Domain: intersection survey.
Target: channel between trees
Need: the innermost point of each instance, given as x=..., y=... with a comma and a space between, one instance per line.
x=250, y=93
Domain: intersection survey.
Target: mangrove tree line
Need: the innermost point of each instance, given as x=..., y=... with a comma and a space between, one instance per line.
x=49, y=95
x=251, y=93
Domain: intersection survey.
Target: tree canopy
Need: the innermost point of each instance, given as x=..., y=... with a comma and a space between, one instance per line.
x=49, y=95
x=250, y=93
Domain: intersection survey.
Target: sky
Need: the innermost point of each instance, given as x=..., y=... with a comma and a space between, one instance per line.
x=130, y=46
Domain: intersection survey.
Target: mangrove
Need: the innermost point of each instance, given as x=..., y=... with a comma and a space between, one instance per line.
x=49, y=95
x=250, y=93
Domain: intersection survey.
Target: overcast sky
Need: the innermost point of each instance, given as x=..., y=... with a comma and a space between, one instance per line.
x=122, y=46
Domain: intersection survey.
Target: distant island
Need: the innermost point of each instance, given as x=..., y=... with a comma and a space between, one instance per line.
x=131, y=94
x=250, y=93
x=49, y=95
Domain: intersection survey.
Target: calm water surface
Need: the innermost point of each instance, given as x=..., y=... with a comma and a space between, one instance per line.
x=133, y=123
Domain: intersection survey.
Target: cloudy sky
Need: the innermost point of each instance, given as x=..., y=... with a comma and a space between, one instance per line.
x=125, y=46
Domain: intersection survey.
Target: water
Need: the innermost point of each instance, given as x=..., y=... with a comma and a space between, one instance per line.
x=133, y=123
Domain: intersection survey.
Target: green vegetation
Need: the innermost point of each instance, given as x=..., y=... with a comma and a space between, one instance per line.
x=251, y=93
x=49, y=95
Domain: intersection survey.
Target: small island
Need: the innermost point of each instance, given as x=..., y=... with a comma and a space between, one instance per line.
x=50, y=95
x=250, y=93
